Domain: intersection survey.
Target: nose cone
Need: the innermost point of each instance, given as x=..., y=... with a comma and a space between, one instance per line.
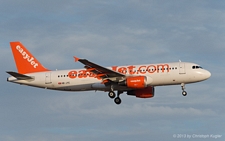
x=206, y=74
x=201, y=75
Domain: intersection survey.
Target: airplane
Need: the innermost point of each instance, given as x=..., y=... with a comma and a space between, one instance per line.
x=135, y=80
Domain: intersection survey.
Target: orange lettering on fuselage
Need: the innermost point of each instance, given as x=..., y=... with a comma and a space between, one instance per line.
x=91, y=74
x=163, y=67
x=151, y=68
x=142, y=70
x=132, y=70
x=122, y=70
x=114, y=68
x=72, y=74
x=82, y=74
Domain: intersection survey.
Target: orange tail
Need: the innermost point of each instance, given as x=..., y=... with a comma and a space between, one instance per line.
x=25, y=61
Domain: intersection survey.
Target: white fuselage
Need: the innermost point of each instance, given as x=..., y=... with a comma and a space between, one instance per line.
x=81, y=80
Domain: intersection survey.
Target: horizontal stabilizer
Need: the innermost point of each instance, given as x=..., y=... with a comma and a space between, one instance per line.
x=19, y=76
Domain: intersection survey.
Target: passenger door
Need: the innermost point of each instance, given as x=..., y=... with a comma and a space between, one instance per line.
x=48, y=78
x=182, y=68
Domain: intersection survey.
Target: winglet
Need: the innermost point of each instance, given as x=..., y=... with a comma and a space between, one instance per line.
x=76, y=58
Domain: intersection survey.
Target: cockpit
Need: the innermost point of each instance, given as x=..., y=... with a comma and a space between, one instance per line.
x=197, y=67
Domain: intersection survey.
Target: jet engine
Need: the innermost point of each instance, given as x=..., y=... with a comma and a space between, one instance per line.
x=137, y=82
x=148, y=92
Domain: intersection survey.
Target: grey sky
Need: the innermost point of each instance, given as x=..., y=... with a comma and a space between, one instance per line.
x=113, y=33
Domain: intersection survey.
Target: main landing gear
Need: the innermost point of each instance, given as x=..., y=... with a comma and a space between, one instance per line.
x=184, y=93
x=112, y=95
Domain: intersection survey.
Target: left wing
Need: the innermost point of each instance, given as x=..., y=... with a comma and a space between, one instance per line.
x=100, y=71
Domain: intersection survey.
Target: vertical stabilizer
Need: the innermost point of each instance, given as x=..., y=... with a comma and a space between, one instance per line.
x=25, y=61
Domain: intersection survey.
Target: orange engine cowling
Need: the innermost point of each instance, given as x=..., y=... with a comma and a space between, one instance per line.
x=148, y=92
x=137, y=82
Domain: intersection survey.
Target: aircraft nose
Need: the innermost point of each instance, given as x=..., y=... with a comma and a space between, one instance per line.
x=207, y=74
x=202, y=74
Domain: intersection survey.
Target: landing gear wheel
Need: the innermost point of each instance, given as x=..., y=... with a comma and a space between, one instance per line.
x=184, y=93
x=117, y=100
x=112, y=94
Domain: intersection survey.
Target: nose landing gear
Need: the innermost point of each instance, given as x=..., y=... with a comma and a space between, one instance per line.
x=184, y=93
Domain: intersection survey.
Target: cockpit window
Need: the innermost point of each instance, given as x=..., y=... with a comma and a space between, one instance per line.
x=196, y=67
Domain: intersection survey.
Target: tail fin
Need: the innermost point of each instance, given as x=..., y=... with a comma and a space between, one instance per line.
x=25, y=61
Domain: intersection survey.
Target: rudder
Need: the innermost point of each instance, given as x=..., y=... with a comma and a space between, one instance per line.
x=25, y=61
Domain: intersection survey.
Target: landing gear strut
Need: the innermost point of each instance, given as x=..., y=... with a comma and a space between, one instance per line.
x=112, y=95
x=184, y=93
x=117, y=100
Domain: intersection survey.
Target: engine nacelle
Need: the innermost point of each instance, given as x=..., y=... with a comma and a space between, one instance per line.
x=137, y=82
x=148, y=92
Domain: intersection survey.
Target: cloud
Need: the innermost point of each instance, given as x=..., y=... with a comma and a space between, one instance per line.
x=71, y=106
